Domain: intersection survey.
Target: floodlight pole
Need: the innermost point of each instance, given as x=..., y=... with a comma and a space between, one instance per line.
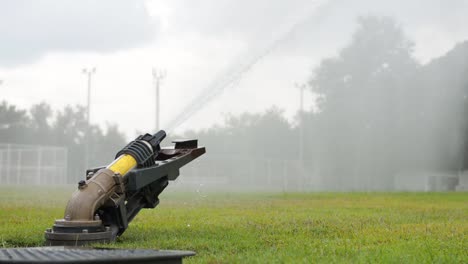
x=158, y=76
x=301, y=88
x=89, y=73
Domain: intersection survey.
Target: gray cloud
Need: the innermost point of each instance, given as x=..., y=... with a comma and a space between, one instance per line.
x=29, y=29
x=334, y=21
x=234, y=17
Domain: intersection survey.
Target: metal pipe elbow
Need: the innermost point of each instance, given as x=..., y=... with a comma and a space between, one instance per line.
x=90, y=196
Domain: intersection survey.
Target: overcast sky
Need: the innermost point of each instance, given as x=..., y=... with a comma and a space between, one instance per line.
x=44, y=45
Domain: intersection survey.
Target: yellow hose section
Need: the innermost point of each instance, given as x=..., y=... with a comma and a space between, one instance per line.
x=123, y=164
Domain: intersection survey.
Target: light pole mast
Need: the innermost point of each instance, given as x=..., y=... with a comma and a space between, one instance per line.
x=303, y=179
x=301, y=88
x=89, y=73
x=158, y=76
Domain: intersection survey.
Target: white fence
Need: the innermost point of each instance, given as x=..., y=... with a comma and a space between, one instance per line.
x=225, y=172
x=230, y=172
x=32, y=165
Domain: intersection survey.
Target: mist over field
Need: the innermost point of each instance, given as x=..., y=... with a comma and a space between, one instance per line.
x=285, y=95
x=234, y=131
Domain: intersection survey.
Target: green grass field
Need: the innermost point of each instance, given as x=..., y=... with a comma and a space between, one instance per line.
x=273, y=228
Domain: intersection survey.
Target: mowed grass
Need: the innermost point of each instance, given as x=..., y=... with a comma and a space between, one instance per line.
x=270, y=227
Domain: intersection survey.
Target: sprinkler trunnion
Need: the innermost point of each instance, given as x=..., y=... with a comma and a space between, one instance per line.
x=110, y=197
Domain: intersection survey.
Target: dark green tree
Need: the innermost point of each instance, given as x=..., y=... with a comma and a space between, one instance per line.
x=446, y=109
x=13, y=124
x=67, y=128
x=40, y=123
x=360, y=90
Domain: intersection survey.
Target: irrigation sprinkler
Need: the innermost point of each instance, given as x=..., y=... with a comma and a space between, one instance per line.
x=110, y=197
x=106, y=202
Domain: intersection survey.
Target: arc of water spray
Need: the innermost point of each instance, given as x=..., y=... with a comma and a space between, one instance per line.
x=232, y=74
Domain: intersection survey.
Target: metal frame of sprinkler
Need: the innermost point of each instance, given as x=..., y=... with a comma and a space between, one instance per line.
x=106, y=202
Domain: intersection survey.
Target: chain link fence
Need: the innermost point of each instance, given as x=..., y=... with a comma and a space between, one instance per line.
x=241, y=173
x=32, y=165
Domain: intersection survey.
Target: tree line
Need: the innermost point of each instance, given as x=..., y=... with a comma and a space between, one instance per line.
x=379, y=113
x=68, y=128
